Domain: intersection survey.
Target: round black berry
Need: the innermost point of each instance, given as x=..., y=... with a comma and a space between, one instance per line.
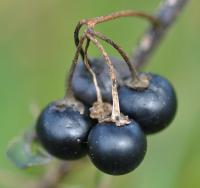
x=63, y=131
x=153, y=108
x=82, y=83
x=116, y=150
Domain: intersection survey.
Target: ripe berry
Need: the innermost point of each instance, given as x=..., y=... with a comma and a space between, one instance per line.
x=63, y=131
x=153, y=108
x=82, y=83
x=116, y=150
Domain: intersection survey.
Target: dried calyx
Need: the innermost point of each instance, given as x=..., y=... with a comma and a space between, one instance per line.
x=106, y=112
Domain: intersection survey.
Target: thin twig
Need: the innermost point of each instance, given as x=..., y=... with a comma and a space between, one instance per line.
x=87, y=64
x=166, y=14
x=91, y=22
x=127, y=13
x=76, y=36
x=99, y=110
x=137, y=81
x=116, y=108
x=121, y=52
x=73, y=66
x=116, y=116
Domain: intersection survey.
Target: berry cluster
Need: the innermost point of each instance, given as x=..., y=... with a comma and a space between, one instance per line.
x=109, y=107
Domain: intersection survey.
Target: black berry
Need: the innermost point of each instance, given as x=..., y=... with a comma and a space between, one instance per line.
x=82, y=83
x=153, y=108
x=63, y=131
x=116, y=150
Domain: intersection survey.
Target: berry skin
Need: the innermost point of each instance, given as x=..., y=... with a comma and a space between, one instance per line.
x=116, y=150
x=63, y=131
x=153, y=108
x=82, y=83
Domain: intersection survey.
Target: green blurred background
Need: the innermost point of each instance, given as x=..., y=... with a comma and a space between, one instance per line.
x=36, y=49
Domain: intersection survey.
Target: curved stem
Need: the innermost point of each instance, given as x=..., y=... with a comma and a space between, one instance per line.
x=86, y=61
x=127, y=13
x=115, y=108
x=73, y=66
x=76, y=36
x=91, y=22
x=121, y=51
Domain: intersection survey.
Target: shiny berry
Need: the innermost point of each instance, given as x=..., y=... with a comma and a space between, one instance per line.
x=82, y=83
x=116, y=150
x=153, y=108
x=63, y=131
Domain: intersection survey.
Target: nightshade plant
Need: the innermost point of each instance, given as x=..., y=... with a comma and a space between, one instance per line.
x=89, y=120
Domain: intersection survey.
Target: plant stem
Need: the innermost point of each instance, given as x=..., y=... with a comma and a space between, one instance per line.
x=91, y=22
x=73, y=66
x=76, y=36
x=115, y=15
x=166, y=14
x=86, y=61
x=121, y=51
x=115, y=108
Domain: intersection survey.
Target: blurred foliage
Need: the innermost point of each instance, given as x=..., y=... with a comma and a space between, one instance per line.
x=36, y=49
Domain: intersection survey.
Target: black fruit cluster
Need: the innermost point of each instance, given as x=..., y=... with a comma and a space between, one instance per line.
x=109, y=107
x=69, y=133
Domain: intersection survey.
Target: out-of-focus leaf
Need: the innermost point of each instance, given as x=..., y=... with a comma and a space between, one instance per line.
x=25, y=151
